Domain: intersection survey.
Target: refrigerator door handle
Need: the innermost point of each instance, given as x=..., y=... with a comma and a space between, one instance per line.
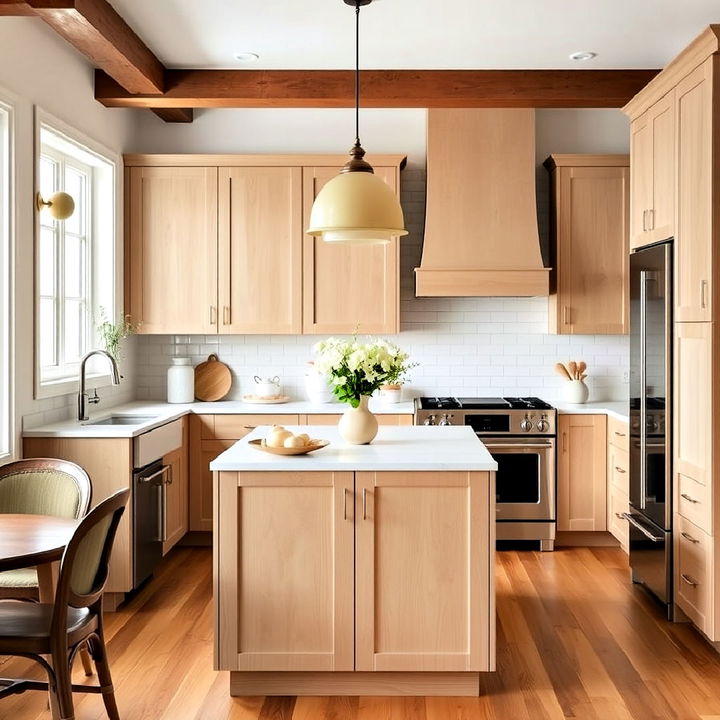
x=643, y=530
x=643, y=388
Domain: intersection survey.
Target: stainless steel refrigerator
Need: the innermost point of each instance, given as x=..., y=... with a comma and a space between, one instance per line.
x=650, y=515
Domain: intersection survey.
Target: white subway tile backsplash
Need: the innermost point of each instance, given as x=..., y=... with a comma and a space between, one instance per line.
x=465, y=346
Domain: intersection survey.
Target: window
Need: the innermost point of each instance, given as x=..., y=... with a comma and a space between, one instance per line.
x=75, y=260
x=5, y=284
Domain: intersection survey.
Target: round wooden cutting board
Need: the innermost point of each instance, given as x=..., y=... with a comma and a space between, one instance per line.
x=212, y=380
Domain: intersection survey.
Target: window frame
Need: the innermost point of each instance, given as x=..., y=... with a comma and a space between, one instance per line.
x=112, y=217
x=8, y=184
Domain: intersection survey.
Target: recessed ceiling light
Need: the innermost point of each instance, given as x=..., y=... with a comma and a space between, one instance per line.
x=247, y=57
x=583, y=55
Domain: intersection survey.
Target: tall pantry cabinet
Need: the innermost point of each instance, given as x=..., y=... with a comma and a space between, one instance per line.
x=690, y=83
x=216, y=244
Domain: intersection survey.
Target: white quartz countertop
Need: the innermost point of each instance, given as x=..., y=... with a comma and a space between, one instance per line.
x=161, y=413
x=619, y=410
x=395, y=448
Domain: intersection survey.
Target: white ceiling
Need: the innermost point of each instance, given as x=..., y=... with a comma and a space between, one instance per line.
x=424, y=34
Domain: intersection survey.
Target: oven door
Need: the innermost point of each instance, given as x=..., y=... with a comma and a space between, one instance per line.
x=525, y=479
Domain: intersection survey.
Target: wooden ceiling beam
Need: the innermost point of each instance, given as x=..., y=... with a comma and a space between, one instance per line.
x=383, y=89
x=95, y=29
x=175, y=115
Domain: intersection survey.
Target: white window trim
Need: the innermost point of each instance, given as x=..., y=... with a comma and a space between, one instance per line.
x=56, y=388
x=7, y=103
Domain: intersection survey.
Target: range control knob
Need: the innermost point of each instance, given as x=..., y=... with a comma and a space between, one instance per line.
x=445, y=420
x=430, y=420
x=526, y=424
x=543, y=425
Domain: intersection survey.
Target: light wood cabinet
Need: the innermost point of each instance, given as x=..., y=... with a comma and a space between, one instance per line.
x=321, y=419
x=217, y=244
x=652, y=171
x=171, y=251
x=360, y=572
x=349, y=287
x=694, y=246
x=618, y=480
x=421, y=536
x=694, y=574
x=582, y=472
x=590, y=197
x=176, y=497
x=286, y=570
x=260, y=250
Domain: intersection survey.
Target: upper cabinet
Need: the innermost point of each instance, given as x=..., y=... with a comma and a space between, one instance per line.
x=260, y=250
x=694, y=246
x=652, y=162
x=348, y=287
x=590, y=209
x=171, y=251
x=217, y=244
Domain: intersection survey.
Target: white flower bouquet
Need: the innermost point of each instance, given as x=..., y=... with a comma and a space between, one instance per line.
x=359, y=368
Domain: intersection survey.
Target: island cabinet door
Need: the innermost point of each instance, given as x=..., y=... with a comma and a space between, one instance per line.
x=284, y=573
x=424, y=573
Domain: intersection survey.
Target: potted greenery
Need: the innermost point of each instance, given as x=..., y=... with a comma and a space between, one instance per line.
x=356, y=370
x=112, y=334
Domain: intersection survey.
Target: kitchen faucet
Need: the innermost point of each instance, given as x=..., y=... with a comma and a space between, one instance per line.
x=82, y=395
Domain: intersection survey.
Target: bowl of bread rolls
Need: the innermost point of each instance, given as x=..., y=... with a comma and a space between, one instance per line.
x=281, y=441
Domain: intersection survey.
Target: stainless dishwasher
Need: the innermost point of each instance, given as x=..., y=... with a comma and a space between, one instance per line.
x=150, y=485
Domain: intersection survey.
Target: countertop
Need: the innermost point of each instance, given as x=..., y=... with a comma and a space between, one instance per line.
x=619, y=410
x=162, y=413
x=394, y=448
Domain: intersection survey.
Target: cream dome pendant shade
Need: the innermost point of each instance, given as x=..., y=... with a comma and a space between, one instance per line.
x=357, y=207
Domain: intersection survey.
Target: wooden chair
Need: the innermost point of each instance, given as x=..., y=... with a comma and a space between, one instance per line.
x=41, y=486
x=75, y=618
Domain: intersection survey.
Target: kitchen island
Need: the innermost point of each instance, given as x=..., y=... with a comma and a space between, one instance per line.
x=356, y=570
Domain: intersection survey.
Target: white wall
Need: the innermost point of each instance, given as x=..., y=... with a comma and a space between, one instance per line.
x=37, y=67
x=464, y=345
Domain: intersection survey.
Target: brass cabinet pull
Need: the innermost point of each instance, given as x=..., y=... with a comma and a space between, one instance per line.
x=213, y=315
x=690, y=538
x=564, y=442
x=364, y=501
x=651, y=215
x=226, y=315
x=689, y=499
x=689, y=580
x=620, y=470
x=345, y=503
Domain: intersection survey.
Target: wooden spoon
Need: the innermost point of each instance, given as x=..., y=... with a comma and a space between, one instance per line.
x=573, y=370
x=581, y=368
x=561, y=370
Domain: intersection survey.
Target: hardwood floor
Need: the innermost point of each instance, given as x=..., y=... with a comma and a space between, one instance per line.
x=575, y=640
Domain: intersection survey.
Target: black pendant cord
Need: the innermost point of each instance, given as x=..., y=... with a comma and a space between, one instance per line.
x=357, y=73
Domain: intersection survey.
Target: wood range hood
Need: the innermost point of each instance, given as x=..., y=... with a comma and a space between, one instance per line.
x=481, y=231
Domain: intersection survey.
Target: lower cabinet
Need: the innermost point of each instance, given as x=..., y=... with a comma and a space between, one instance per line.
x=618, y=480
x=319, y=419
x=365, y=571
x=582, y=472
x=694, y=570
x=176, y=494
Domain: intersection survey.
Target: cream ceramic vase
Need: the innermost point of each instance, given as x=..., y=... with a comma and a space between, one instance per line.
x=575, y=391
x=358, y=426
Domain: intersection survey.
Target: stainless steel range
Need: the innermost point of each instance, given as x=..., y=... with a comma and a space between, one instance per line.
x=520, y=434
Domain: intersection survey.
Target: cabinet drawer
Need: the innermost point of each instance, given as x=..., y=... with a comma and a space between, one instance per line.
x=618, y=504
x=234, y=427
x=321, y=419
x=694, y=502
x=618, y=469
x=693, y=573
x=618, y=433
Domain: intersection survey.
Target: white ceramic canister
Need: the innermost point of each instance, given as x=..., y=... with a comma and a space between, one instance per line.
x=181, y=381
x=317, y=387
x=575, y=391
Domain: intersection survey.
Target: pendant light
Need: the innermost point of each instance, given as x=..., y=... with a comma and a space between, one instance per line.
x=357, y=206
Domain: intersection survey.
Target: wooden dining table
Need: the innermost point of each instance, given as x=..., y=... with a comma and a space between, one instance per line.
x=35, y=541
